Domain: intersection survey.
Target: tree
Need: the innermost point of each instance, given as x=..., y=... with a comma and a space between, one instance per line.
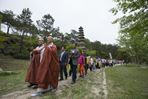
x=7, y=18
x=87, y=43
x=0, y=21
x=74, y=37
x=46, y=24
x=134, y=27
x=33, y=30
x=96, y=46
x=24, y=24
x=67, y=38
x=123, y=54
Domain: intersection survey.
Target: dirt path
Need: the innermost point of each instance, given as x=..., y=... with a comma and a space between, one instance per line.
x=99, y=89
x=104, y=85
x=26, y=93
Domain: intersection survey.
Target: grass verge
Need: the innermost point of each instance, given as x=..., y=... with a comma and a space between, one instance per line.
x=12, y=78
x=127, y=82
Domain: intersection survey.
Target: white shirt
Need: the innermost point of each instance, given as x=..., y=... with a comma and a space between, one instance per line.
x=62, y=55
x=91, y=61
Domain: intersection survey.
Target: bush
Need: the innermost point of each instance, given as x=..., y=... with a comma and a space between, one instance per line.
x=10, y=45
x=91, y=52
x=23, y=55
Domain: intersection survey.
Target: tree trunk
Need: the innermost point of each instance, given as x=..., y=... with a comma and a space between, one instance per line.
x=22, y=42
x=0, y=26
x=8, y=29
x=26, y=34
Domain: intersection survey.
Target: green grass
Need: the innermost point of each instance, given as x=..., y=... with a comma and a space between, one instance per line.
x=8, y=63
x=127, y=82
x=13, y=80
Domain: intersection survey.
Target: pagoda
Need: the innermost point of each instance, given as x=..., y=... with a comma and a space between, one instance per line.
x=81, y=38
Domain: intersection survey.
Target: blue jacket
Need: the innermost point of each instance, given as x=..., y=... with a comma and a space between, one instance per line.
x=64, y=58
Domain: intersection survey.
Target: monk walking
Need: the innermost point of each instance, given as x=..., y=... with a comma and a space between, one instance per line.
x=48, y=71
x=35, y=62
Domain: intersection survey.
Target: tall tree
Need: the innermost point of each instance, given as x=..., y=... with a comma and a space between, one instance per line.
x=7, y=18
x=134, y=27
x=33, y=30
x=74, y=36
x=0, y=21
x=123, y=54
x=46, y=24
x=24, y=23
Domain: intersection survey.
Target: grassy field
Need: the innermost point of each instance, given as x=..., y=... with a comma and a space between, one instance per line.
x=127, y=82
x=13, y=81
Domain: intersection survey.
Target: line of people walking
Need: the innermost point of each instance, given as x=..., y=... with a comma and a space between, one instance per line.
x=47, y=68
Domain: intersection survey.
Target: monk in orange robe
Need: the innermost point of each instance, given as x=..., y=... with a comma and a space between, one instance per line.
x=35, y=62
x=48, y=71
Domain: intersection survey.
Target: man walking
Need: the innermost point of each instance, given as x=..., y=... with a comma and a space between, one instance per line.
x=74, y=56
x=63, y=63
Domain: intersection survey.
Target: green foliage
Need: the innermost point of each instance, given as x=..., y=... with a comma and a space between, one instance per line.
x=23, y=55
x=46, y=24
x=80, y=50
x=7, y=18
x=103, y=50
x=69, y=47
x=3, y=39
x=10, y=45
x=133, y=33
x=124, y=54
x=58, y=43
x=7, y=73
x=91, y=52
x=103, y=54
x=24, y=21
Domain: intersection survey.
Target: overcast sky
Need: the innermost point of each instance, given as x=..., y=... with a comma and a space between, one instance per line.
x=92, y=15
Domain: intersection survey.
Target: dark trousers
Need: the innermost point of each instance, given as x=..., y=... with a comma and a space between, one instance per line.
x=90, y=67
x=70, y=71
x=86, y=68
x=63, y=70
x=74, y=73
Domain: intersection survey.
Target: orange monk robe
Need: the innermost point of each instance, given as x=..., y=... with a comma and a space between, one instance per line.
x=49, y=68
x=33, y=67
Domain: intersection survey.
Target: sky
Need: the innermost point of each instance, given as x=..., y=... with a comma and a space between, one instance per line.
x=92, y=15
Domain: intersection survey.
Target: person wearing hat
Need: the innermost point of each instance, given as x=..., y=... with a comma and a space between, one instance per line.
x=34, y=64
